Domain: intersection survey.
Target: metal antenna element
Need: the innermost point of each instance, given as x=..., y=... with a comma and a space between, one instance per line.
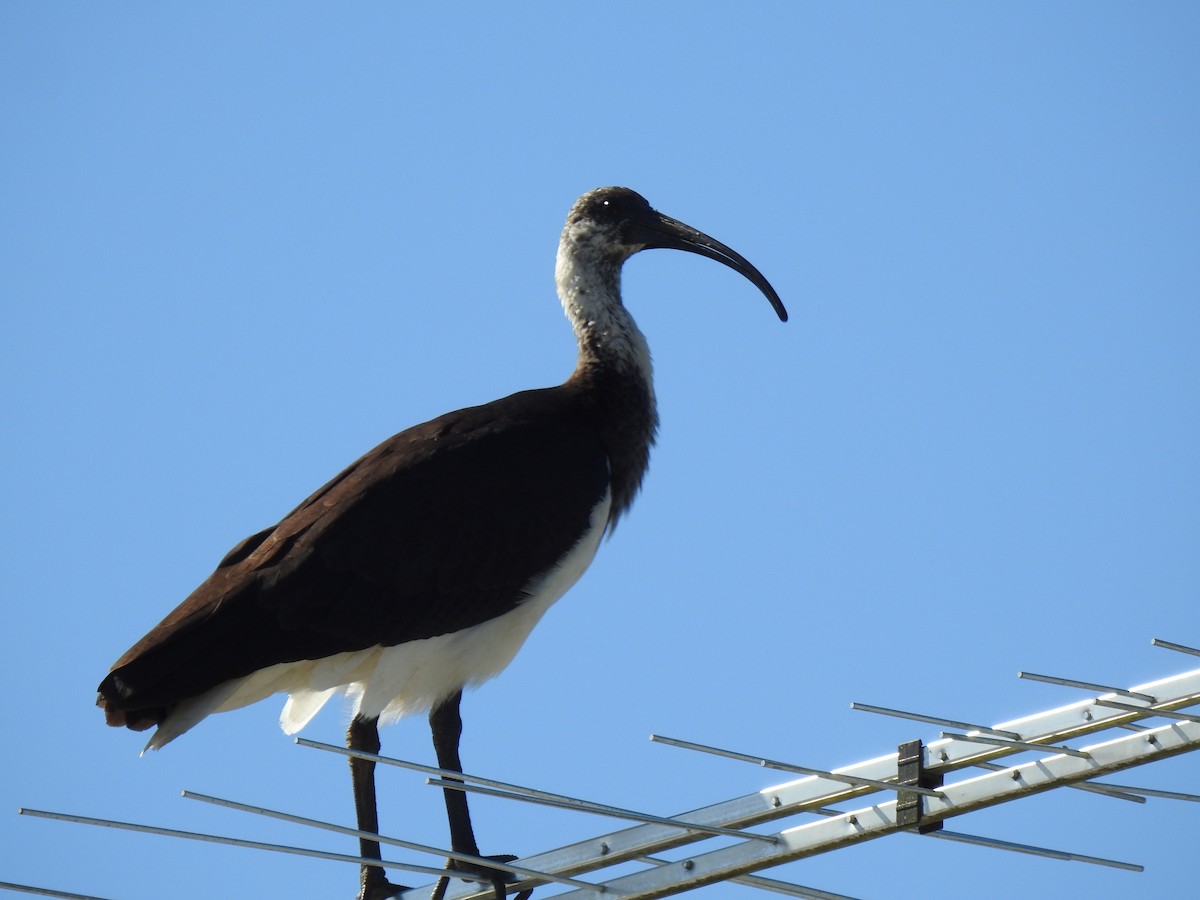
x=1180, y=648
x=45, y=892
x=459, y=781
x=1087, y=686
x=933, y=720
x=853, y=780
x=561, y=802
x=395, y=842
x=238, y=842
x=1166, y=795
x=1018, y=745
x=1165, y=713
x=1035, y=851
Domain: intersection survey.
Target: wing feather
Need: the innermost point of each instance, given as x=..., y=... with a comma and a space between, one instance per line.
x=439, y=528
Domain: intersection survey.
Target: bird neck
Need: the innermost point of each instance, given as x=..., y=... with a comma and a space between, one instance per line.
x=614, y=367
x=590, y=291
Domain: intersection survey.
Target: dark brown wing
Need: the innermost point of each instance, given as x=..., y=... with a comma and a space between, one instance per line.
x=439, y=528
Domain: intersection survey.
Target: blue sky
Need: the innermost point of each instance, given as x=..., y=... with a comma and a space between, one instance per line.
x=242, y=243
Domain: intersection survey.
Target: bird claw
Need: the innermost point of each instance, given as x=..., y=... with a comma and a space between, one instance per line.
x=497, y=878
x=379, y=889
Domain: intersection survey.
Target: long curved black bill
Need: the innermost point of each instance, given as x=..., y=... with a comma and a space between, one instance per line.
x=663, y=232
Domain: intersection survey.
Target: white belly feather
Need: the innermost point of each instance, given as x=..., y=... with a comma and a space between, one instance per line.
x=391, y=682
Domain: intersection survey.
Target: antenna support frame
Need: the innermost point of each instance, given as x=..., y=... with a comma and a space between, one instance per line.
x=910, y=769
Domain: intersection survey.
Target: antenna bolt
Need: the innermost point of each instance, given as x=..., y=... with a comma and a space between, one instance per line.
x=1016, y=775
x=943, y=756
x=776, y=802
x=688, y=865
x=604, y=848
x=1152, y=739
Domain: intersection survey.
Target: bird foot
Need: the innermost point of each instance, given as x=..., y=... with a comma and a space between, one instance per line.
x=379, y=888
x=497, y=878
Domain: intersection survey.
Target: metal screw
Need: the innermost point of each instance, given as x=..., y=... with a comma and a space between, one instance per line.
x=604, y=848
x=688, y=865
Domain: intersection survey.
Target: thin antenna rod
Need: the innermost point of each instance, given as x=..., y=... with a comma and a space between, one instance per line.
x=1166, y=795
x=240, y=842
x=1087, y=686
x=1149, y=710
x=398, y=763
x=1036, y=851
x=1180, y=648
x=45, y=892
x=599, y=809
x=509, y=791
x=853, y=780
x=396, y=842
x=933, y=720
x=1004, y=742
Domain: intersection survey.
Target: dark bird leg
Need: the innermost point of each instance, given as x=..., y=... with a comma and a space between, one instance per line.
x=445, y=721
x=363, y=734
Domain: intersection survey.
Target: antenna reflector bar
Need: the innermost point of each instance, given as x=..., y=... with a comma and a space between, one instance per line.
x=1087, y=686
x=45, y=892
x=1179, y=648
x=240, y=842
x=852, y=780
x=616, y=812
x=395, y=842
x=933, y=720
x=1036, y=851
x=1020, y=745
x=1149, y=711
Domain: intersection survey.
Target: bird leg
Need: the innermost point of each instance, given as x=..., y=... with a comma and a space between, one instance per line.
x=363, y=734
x=445, y=722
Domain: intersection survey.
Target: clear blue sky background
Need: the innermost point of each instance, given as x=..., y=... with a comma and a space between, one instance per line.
x=241, y=243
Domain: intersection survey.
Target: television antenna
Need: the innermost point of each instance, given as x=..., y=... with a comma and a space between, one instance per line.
x=916, y=789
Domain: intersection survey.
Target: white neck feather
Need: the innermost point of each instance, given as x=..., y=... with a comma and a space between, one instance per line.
x=589, y=287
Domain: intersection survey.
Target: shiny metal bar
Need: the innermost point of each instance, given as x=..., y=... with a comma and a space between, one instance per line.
x=1179, y=648
x=1087, y=686
x=44, y=892
x=1149, y=711
x=1018, y=745
x=391, y=841
x=571, y=803
x=1015, y=847
x=932, y=720
x=239, y=842
x=853, y=780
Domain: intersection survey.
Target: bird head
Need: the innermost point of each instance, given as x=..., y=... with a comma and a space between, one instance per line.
x=608, y=225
